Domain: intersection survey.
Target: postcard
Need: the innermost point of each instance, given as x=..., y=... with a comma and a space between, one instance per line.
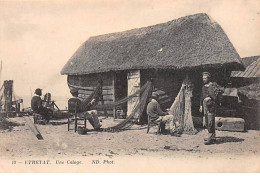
x=118, y=86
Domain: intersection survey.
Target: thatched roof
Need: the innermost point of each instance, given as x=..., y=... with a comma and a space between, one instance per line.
x=252, y=70
x=191, y=41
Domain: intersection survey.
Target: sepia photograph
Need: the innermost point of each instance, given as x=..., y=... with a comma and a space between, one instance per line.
x=120, y=86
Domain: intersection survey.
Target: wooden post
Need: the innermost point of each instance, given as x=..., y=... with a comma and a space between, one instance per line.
x=76, y=124
x=8, y=90
x=68, y=121
x=17, y=107
x=85, y=122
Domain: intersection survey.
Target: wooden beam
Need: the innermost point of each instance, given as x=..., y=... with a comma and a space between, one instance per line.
x=33, y=128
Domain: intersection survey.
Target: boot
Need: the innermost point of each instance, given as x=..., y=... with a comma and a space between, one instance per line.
x=162, y=127
x=211, y=139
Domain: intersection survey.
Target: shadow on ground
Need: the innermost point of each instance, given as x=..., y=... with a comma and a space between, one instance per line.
x=226, y=139
x=7, y=125
x=58, y=123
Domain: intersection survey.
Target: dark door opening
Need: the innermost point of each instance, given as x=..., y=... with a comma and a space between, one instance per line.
x=121, y=92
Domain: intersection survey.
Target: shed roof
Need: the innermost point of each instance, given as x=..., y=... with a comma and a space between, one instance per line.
x=191, y=41
x=252, y=70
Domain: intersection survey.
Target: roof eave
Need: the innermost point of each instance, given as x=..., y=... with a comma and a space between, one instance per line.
x=234, y=66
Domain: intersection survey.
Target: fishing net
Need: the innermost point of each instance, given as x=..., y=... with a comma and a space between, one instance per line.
x=181, y=108
x=126, y=99
x=85, y=104
x=136, y=112
x=131, y=119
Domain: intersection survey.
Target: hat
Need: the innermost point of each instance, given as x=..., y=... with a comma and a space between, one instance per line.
x=38, y=91
x=206, y=74
x=74, y=90
x=155, y=95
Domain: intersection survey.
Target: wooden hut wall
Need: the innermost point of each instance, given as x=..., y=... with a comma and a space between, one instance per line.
x=87, y=84
x=166, y=82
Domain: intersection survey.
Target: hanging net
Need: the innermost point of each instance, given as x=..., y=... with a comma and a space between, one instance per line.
x=131, y=119
x=87, y=103
x=136, y=112
x=181, y=108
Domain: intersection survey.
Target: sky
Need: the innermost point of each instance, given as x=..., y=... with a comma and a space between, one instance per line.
x=37, y=38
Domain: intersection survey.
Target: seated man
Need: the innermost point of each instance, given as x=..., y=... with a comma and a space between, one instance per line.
x=36, y=105
x=84, y=109
x=155, y=113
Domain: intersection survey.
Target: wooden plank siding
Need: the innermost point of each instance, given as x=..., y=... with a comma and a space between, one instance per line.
x=87, y=83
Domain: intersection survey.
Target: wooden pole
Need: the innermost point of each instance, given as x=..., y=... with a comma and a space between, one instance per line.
x=33, y=128
x=56, y=106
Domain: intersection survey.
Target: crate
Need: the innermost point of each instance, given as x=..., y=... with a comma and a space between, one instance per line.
x=229, y=124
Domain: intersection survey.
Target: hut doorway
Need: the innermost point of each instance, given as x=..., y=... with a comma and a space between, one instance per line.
x=121, y=89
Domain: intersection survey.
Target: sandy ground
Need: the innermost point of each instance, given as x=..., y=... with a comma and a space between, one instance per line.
x=21, y=143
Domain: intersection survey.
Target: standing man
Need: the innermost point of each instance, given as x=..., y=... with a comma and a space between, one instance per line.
x=155, y=113
x=209, y=94
x=36, y=105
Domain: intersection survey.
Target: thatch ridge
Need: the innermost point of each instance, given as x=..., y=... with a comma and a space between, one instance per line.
x=191, y=41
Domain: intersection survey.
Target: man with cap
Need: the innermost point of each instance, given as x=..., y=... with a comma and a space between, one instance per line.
x=84, y=108
x=155, y=113
x=208, y=101
x=36, y=105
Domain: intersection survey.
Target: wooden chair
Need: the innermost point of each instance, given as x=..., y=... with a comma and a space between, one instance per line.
x=154, y=123
x=73, y=118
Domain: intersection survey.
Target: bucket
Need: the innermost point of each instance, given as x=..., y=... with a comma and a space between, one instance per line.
x=82, y=130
